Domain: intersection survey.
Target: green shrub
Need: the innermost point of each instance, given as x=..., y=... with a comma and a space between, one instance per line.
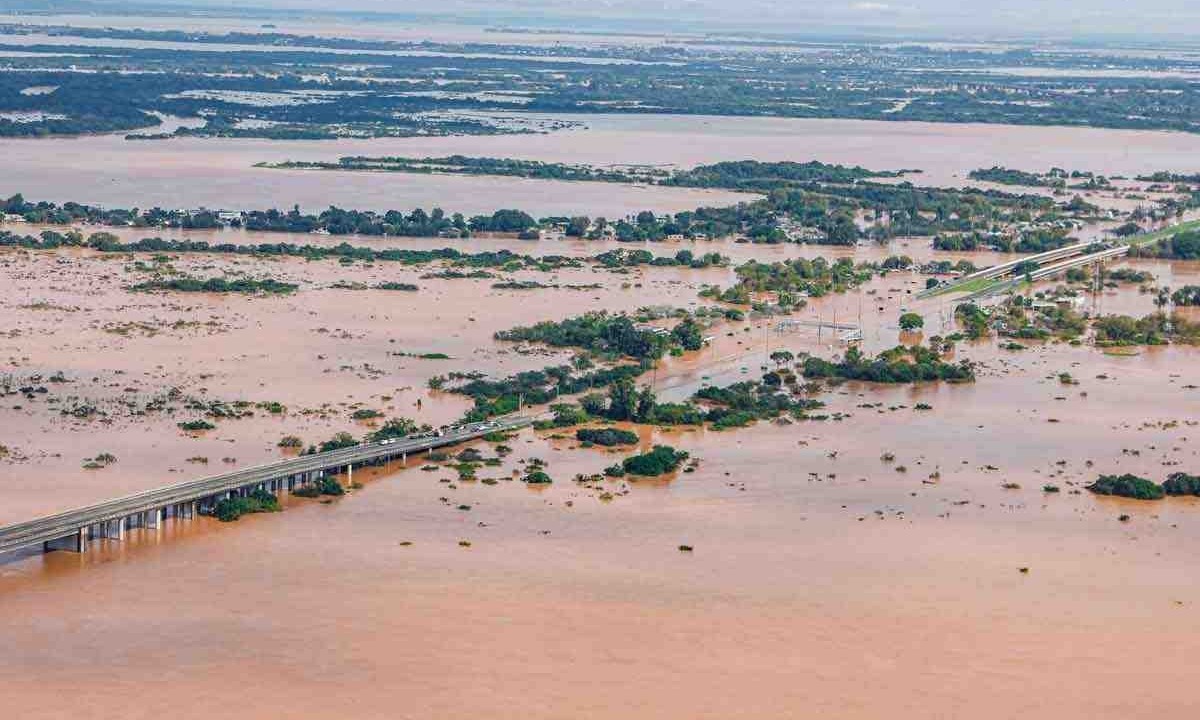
x=537, y=477
x=1182, y=484
x=606, y=437
x=659, y=461
x=1127, y=485
x=231, y=509
x=330, y=486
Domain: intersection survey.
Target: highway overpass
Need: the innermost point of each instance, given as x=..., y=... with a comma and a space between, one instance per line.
x=1011, y=266
x=73, y=529
x=1049, y=271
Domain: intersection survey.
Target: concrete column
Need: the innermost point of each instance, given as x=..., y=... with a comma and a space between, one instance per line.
x=75, y=542
x=154, y=518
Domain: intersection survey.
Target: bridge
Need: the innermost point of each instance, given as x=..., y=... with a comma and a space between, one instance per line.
x=1051, y=270
x=1053, y=257
x=989, y=281
x=73, y=529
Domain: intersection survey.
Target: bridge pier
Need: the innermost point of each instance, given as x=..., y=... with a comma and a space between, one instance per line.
x=75, y=542
x=110, y=529
x=110, y=520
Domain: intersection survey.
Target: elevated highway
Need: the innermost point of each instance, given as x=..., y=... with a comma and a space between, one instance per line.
x=1051, y=270
x=997, y=271
x=72, y=530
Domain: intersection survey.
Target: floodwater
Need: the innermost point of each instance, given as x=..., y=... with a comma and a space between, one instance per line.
x=815, y=562
x=37, y=39
x=325, y=350
x=823, y=581
x=111, y=171
x=327, y=26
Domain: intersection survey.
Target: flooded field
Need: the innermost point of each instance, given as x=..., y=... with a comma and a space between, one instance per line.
x=219, y=173
x=814, y=561
x=887, y=561
x=334, y=27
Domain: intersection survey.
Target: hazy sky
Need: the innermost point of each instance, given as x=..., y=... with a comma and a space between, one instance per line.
x=993, y=17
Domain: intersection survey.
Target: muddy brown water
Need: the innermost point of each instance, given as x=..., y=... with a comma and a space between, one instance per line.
x=219, y=173
x=823, y=580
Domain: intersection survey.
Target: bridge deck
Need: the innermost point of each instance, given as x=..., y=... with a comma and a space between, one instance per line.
x=60, y=525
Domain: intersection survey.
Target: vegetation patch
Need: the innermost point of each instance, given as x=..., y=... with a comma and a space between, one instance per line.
x=1127, y=485
x=258, y=501
x=662, y=460
x=902, y=364
x=606, y=437
x=244, y=286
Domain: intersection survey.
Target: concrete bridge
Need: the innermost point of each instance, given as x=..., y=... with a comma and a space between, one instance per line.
x=73, y=529
x=995, y=272
x=1049, y=271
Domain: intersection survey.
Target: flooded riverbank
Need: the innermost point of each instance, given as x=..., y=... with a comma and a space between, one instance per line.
x=330, y=348
x=219, y=173
x=917, y=547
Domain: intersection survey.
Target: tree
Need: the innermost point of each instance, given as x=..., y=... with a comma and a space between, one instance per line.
x=911, y=321
x=782, y=357
x=659, y=461
x=594, y=404
x=578, y=226
x=339, y=441
x=645, y=405
x=567, y=414
x=622, y=400
x=687, y=334
x=397, y=428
